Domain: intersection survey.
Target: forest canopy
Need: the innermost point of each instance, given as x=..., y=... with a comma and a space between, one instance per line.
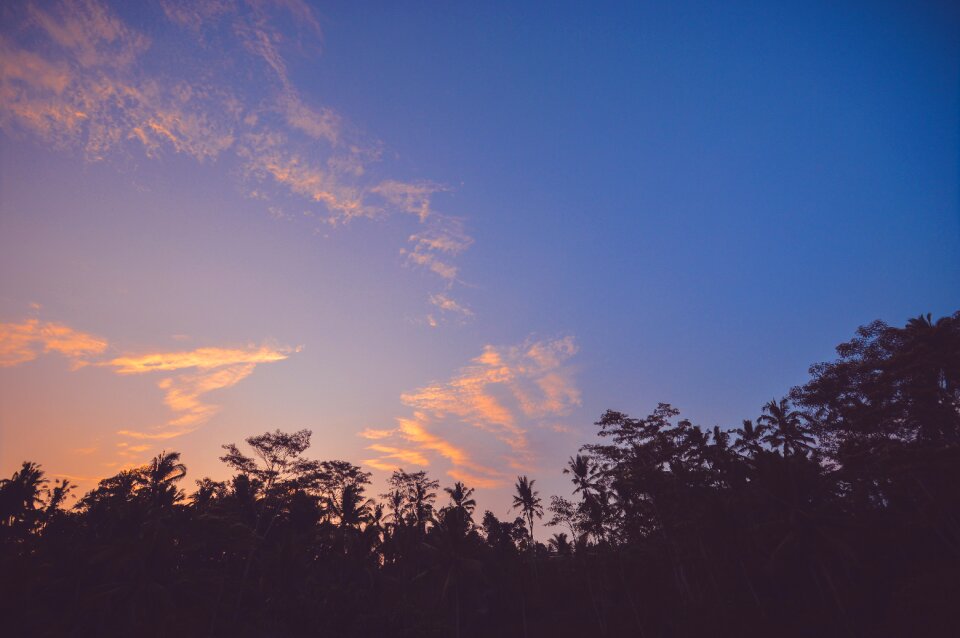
x=835, y=511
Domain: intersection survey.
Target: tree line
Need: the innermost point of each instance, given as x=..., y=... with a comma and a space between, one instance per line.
x=835, y=512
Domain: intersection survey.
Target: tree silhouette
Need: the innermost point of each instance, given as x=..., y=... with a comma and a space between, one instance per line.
x=560, y=544
x=528, y=501
x=583, y=472
x=786, y=428
x=835, y=513
x=460, y=496
x=21, y=493
x=159, y=479
x=750, y=438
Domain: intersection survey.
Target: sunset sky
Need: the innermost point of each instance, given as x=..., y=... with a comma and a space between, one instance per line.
x=450, y=235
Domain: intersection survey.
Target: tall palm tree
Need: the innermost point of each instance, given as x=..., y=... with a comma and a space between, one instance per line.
x=750, y=437
x=397, y=503
x=928, y=364
x=787, y=428
x=20, y=494
x=457, y=517
x=596, y=508
x=583, y=471
x=351, y=510
x=527, y=500
x=421, y=498
x=460, y=496
x=161, y=475
x=58, y=495
x=373, y=531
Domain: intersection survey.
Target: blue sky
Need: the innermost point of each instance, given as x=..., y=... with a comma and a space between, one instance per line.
x=452, y=235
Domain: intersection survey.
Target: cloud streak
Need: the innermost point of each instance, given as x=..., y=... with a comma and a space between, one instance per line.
x=25, y=341
x=197, y=372
x=202, y=358
x=210, y=369
x=76, y=76
x=501, y=393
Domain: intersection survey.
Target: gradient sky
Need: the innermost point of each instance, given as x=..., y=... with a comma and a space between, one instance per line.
x=449, y=235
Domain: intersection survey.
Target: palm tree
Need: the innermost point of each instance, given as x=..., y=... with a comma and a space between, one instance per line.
x=596, y=512
x=20, y=494
x=421, y=498
x=750, y=437
x=58, y=495
x=458, y=516
x=398, y=505
x=927, y=364
x=159, y=477
x=460, y=496
x=560, y=544
x=351, y=510
x=412, y=497
x=584, y=472
x=373, y=532
x=527, y=500
x=787, y=429
x=207, y=492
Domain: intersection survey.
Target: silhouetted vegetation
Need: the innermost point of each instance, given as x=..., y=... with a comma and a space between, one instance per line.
x=835, y=512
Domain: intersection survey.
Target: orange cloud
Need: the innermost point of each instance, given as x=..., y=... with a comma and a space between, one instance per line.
x=448, y=305
x=376, y=434
x=217, y=368
x=84, y=90
x=411, y=198
x=22, y=342
x=401, y=455
x=193, y=15
x=433, y=264
x=474, y=480
x=91, y=34
x=183, y=393
x=384, y=465
x=503, y=392
x=202, y=358
x=201, y=371
x=412, y=441
x=442, y=236
x=76, y=76
x=345, y=202
x=127, y=450
x=414, y=431
x=153, y=436
x=321, y=124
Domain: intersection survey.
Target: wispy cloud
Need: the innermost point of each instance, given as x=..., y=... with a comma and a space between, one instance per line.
x=413, y=440
x=442, y=239
x=210, y=369
x=202, y=358
x=25, y=341
x=448, y=305
x=268, y=158
x=76, y=76
x=502, y=392
x=198, y=372
x=90, y=31
x=78, y=85
x=411, y=198
x=398, y=456
x=192, y=15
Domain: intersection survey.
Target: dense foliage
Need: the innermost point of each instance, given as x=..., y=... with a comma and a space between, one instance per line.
x=835, y=512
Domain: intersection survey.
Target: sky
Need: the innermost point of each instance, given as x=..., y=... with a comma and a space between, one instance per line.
x=448, y=236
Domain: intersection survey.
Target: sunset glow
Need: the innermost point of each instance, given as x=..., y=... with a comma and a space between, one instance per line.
x=446, y=240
